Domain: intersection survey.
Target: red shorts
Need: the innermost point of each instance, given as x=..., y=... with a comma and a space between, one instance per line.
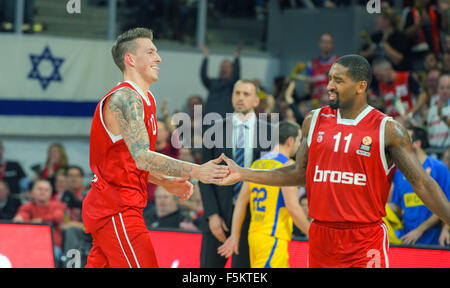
x=123, y=242
x=335, y=245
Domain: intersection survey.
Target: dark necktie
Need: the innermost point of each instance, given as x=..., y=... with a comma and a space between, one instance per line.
x=239, y=157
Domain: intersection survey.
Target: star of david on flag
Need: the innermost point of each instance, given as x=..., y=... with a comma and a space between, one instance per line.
x=44, y=80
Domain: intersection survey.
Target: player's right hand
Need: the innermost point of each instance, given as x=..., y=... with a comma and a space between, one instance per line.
x=230, y=246
x=211, y=172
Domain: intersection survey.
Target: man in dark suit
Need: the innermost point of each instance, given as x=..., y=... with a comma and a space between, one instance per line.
x=243, y=138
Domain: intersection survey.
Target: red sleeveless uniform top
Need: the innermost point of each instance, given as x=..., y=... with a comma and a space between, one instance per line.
x=348, y=179
x=117, y=184
x=399, y=88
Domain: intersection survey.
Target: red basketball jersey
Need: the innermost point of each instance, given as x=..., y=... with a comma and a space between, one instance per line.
x=117, y=184
x=399, y=88
x=348, y=179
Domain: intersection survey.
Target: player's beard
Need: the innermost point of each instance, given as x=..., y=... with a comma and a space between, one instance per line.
x=334, y=104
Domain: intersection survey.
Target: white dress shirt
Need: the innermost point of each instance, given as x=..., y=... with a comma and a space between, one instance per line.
x=250, y=131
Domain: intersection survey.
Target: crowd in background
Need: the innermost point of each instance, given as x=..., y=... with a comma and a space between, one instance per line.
x=410, y=55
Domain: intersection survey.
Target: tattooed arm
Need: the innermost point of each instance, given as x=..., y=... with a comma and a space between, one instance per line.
x=289, y=175
x=398, y=148
x=124, y=114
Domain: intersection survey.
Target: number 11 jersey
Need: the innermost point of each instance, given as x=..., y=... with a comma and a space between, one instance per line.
x=348, y=178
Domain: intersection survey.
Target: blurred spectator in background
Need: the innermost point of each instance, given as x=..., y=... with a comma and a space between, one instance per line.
x=430, y=86
x=194, y=105
x=304, y=204
x=446, y=62
x=12, y=173
x=438, y=119
x=423, y=25
x=399, y=90
x=166, y=212
x=72, y=228
x=56, y=159
x=420, y=225
x=317, y=69
x=285, y=100
x=62, y=194
x=220, y=89
x=193, y=206
x=75, y=186
x=430, y=63
x=447, y=41
x=8, y=204
x=388, y=41
x=293, y=112
x=42, y=210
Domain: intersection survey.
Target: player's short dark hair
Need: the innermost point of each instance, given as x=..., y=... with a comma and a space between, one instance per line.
x=125, y=43
x=419, y=133
x=359, y=68
x=287, y=129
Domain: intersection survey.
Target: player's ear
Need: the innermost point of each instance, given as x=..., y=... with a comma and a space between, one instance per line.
x=361, y=87
x=128, y=59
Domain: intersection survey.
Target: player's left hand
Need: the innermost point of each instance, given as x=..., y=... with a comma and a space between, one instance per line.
x=229, y=246
x=411, y=237
x=180, y=187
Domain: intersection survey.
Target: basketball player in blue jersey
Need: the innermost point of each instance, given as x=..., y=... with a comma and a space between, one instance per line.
x=273, y=209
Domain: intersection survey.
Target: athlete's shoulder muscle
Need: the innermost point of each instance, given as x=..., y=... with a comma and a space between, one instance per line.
x=399, y=149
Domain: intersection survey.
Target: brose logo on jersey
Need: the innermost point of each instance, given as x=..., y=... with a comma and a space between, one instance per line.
x=339, y=177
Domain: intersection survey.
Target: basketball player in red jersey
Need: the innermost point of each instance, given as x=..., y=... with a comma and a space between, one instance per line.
x=122, y=158
x=346, y=160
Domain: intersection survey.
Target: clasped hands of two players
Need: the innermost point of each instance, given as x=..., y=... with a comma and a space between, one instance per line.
x=209, y=173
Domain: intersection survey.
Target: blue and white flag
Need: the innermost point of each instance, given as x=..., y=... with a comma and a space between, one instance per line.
x=51, y=86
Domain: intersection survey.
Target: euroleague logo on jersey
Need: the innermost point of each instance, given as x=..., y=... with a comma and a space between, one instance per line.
x=366, y=145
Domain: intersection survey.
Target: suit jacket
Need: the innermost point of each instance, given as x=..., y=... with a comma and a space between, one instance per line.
x=219, y=199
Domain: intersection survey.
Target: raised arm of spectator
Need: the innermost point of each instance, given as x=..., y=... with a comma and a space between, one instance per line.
x=289, y=96
x=204, y=67
x=417, y=91
x=237, y=64
x=411, y=28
